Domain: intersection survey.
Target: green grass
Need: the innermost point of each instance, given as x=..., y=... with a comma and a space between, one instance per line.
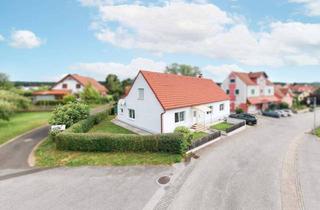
x=21, y=123
x=107, y=126
x=317, y=132
x=198, y=134
x=223, y=126
x=48, y=156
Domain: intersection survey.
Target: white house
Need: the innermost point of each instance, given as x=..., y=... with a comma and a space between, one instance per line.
x=70, y=84
x=159, y=102
x=249, y=91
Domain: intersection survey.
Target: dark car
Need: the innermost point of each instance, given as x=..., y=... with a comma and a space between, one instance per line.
x=271, y=114
x=249, y=118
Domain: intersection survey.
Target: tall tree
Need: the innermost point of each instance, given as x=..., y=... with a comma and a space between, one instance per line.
x=114, y=85
x=5, y=83
x=183, y=69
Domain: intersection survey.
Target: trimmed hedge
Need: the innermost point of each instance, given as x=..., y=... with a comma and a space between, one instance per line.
x=99, y=142
x=84, y=126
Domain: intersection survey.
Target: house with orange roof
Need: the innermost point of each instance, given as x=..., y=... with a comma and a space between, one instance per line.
x=302, y=91
x=284, y=94
x=70, y=84
x=160, y=102
x=252, y=92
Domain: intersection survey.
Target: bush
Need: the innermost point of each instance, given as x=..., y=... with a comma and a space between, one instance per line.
x=187, y=134
x=6, y=110
x=98, y=142
x=85, y=125
x=69, y=114
x=239, y=110
x=69, y=98
x=90, y=95
x=283, y=105
x=20, y=102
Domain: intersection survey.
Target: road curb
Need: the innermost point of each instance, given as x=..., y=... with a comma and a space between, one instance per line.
x=26, y=133
x=31, y=158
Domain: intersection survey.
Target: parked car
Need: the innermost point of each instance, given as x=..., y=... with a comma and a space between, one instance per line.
x=271, y=114
x=288, y=111
x=282, y=113
x=249, y=118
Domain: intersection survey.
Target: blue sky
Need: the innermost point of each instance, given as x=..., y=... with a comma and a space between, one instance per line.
x=43, y=40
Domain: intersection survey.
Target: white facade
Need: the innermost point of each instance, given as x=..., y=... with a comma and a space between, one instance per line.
x=150, y=116
x=44, y=98
x=69, y=84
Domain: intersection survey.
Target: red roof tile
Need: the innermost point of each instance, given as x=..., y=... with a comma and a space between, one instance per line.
x=175, y=91
x=251, y=78
x=51, y=92
x=262, y=99
x=87, y=80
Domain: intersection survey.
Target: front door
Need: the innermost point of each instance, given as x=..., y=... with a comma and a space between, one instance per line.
x=195, y=116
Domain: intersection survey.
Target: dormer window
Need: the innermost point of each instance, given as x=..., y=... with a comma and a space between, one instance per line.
x=232, y=80
x=140, y=93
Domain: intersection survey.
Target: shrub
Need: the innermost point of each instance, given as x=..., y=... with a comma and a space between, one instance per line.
x=69, y=114
x=239, y=110
x=99, y=142
x=20, y=102
x=69, y=98
x=283, y=105
x=187, y=134
x=6, y=110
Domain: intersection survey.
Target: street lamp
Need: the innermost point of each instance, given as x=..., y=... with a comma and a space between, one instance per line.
x=309, y=100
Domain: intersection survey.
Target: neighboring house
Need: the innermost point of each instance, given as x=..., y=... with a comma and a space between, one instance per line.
x=160, y=102
x=251, y=92
x=302, y=91
x=70, y=84
x=284, y=94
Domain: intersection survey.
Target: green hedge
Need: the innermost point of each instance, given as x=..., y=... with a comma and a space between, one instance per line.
x=84, y=126
x=99, y=142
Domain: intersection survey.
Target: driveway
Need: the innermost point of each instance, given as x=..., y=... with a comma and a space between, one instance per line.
x=14, y=155
x=254, y=169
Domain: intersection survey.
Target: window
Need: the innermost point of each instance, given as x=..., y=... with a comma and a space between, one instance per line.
x=261, y=91
x=221, y=107
x=141, y=93
x=210, y=107
x=179, y=116
x=78, y=86
x=269, y=91
x=237, y=91
x=121, y=110
x=253, y=92
x=232, y=80
x=228, y=91
x=64, y=86
x=132, y=114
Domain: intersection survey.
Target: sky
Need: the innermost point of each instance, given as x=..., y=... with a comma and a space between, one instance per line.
x=42, y=40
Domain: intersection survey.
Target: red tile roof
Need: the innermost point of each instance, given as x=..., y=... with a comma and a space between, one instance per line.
x=51, y=92
x=87, y=80
x=302, y=88
x=251, y=78
x=281, y=92
x=175, y=91
x=262, y=99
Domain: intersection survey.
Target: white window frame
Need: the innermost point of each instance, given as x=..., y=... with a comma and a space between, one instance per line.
x=221, y=107
x=140, y=93
x=179, y=116
x=132, y=114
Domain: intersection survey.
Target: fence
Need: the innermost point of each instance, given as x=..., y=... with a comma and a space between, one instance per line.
x=204, y=139
x=235, y=127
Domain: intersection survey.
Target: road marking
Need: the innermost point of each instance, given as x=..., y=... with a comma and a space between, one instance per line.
x=291, y=194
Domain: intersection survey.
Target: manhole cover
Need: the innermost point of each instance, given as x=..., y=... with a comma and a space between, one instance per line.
x=164, y=180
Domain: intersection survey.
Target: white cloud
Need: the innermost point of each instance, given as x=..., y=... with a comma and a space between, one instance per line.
x=123, y=71
x=25, y=39
x=312, y=6
x=205, y=29
x=219, y=73
x=1, y=38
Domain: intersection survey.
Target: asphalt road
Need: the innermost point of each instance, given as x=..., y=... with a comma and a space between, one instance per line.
x=14, y=155
x=274, y=165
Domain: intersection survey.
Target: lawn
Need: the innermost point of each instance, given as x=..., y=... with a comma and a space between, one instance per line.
x=198, y=134
x=223, y=126
x=48, y=156
x=21, y=123
x=107, y=126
